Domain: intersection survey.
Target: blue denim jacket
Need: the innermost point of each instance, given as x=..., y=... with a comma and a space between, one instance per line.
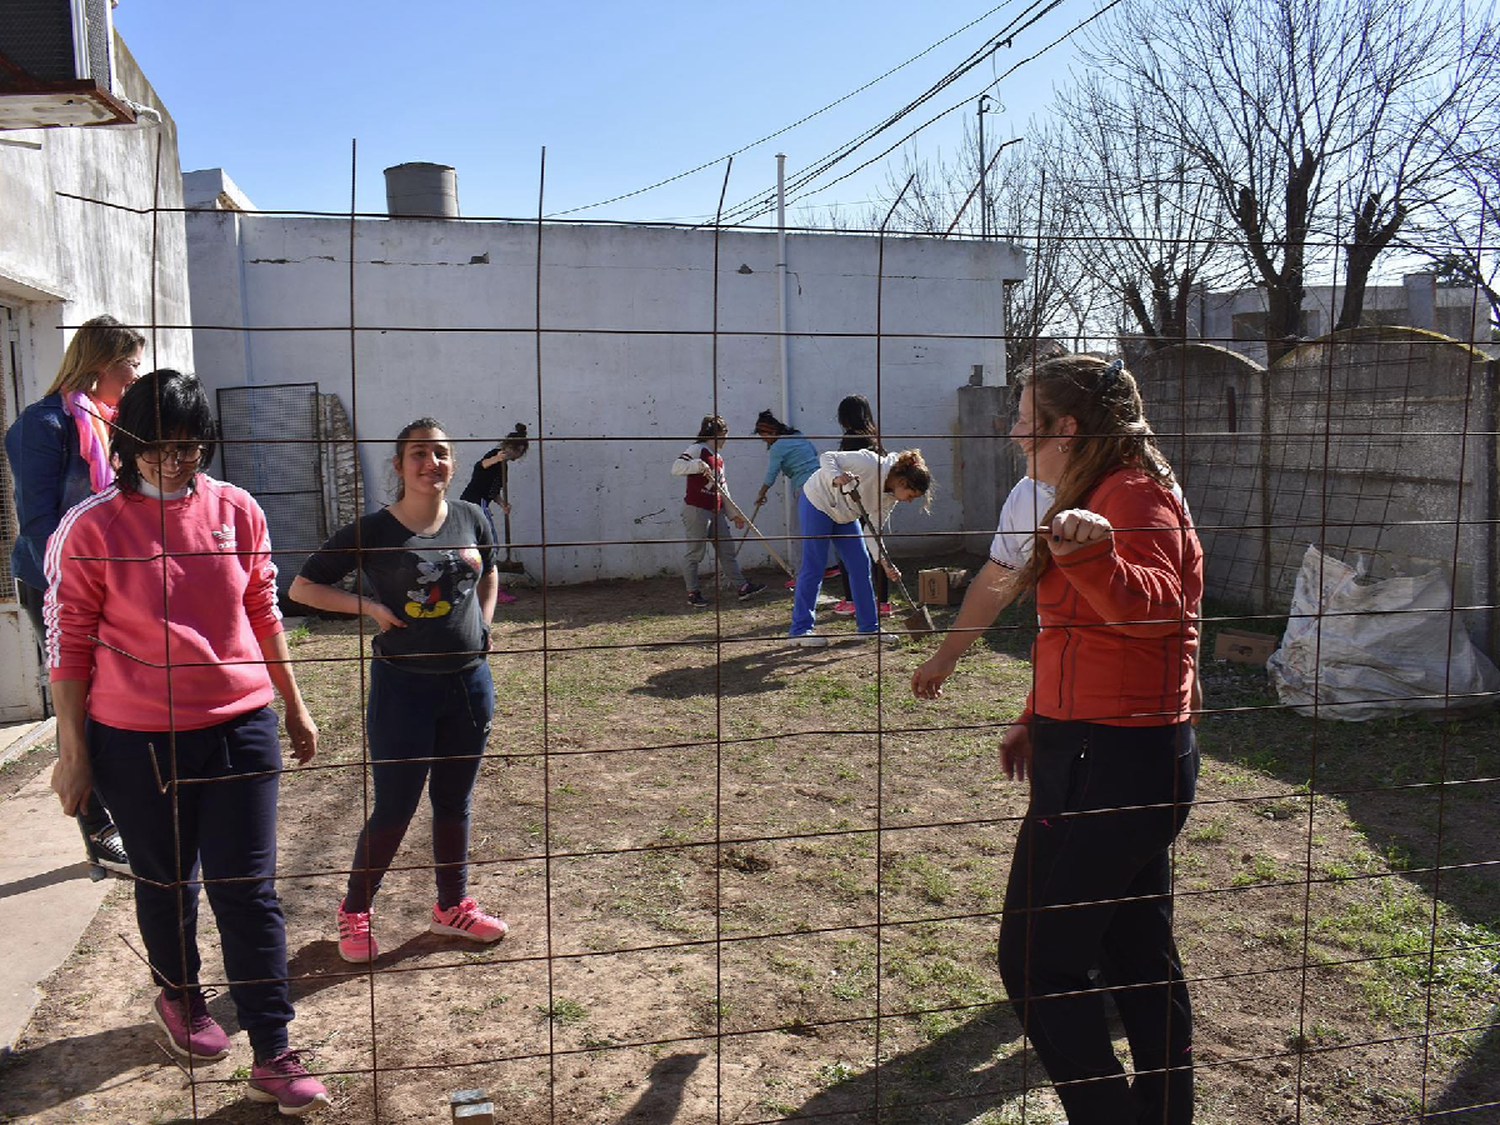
x=49, y=475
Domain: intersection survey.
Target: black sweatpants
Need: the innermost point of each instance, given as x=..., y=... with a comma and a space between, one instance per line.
x=1090, y=886
x=225, y=816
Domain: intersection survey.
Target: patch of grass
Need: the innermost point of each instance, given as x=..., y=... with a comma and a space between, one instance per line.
x=1263, y=869
x=1392, y=923
x=1209, y=832
x=933, y=882
x=564, y=1011
x=832, y=1073
x=944, y=968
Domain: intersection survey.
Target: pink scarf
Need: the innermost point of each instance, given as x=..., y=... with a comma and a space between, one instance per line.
x=93, y=420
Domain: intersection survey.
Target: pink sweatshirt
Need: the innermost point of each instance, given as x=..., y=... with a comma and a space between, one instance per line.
x=111, y=586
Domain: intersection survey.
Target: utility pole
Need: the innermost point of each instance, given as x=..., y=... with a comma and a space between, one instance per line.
x=984, y=203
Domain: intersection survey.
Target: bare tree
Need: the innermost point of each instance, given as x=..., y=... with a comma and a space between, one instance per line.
x=1150, y=223
x=1439, y=98
x=1463, y=244
x=1027, y=207
x=1293, y=108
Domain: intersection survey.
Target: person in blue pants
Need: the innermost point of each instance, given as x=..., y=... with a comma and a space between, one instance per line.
x=850, y=486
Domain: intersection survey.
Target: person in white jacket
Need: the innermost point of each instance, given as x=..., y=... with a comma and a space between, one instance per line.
x=850, y=486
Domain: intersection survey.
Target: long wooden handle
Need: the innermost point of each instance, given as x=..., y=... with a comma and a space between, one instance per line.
x=749, y=523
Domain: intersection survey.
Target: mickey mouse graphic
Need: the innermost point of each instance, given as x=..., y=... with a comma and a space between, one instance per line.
x=458, y=571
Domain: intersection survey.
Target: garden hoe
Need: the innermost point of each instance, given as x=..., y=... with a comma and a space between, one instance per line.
x=919, y=621
x=509, y=565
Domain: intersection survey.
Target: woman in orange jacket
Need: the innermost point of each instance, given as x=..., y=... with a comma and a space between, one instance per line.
x=1107, y=744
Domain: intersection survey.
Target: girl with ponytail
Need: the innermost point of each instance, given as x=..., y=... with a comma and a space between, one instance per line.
x=850, y=486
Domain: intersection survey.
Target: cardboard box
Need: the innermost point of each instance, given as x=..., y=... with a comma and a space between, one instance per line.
x=1244, y=647
x=941, y=586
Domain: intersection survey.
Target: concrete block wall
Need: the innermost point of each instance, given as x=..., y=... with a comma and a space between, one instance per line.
x=1376, y=442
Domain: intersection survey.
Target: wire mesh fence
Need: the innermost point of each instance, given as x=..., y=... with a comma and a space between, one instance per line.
x=752, y=882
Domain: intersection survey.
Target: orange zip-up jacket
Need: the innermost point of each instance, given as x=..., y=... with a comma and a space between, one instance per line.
x=1119, y=618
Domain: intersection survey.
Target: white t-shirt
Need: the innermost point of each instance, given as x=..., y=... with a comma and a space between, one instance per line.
x=1020, y=516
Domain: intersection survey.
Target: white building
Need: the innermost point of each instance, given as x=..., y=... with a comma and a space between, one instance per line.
x=632, y=351
x=78, y=238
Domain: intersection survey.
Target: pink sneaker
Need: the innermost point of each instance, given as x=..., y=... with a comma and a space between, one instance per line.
x=504, y=596
x=844, y=609
x=356, y=942
x=191, y=1031
x=467, y=920
x=885, y=609
x=284, y=1080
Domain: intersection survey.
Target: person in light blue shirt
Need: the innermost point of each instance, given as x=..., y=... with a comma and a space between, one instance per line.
x=791, y=454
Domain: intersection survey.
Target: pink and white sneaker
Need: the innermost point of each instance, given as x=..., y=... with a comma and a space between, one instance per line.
x=356, y=942
x=504, y=596
x=285, y=1081
x=844, y=609
x=191, y=1032
x=466, y=920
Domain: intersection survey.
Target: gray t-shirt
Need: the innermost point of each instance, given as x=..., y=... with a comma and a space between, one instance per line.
x=428, y=581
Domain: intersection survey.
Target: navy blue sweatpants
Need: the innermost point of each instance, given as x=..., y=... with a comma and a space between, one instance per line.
x=425, y=729
x=222, y=817
x=1090, y=885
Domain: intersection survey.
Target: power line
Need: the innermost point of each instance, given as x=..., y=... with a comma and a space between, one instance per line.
x=763, y=201
x=785, y=128
x=765, y=208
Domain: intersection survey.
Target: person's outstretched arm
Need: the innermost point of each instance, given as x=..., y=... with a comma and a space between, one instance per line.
x=987, y=596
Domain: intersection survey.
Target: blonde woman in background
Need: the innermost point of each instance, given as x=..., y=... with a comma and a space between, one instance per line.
x=59, y=454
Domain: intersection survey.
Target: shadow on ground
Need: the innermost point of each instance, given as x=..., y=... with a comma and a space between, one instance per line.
x=955, y=1078
x=662, y=1097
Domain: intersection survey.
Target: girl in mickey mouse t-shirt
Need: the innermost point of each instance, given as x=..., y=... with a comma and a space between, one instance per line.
x=430, y=564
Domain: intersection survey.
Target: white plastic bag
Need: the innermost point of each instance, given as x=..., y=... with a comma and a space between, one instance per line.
x=1375, y=648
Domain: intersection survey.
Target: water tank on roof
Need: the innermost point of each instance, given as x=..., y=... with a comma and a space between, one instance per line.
x=421, y=191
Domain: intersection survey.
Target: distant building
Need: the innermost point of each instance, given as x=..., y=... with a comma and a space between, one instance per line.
x=1237, y=319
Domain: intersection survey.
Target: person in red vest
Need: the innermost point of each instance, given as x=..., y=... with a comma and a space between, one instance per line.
x=703, y=512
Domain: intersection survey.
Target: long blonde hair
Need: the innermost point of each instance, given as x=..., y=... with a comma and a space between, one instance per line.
x=1104, y=400
x=97, y=344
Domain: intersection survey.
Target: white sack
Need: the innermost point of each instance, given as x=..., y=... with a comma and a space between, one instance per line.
x=1375, y=652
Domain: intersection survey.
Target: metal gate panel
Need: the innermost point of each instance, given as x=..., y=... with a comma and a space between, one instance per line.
x=273, y=449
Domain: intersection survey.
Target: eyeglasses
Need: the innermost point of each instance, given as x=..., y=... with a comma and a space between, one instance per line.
x=181, y=452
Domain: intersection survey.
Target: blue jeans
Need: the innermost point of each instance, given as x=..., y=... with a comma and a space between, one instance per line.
x=229, y=824
x=425, y=730
x=817, y=528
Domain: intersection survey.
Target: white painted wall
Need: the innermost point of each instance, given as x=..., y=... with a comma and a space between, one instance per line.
x=627, y=355
x=64, y=260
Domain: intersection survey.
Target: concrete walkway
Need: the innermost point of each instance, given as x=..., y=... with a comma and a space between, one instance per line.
x=46, y=898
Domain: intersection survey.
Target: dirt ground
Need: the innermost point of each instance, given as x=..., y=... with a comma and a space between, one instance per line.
x=688, y=838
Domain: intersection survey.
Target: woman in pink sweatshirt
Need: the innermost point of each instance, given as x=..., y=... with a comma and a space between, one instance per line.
x=164, y=646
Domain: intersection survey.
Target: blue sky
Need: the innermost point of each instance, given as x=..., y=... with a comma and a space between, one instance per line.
x=621, y=94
